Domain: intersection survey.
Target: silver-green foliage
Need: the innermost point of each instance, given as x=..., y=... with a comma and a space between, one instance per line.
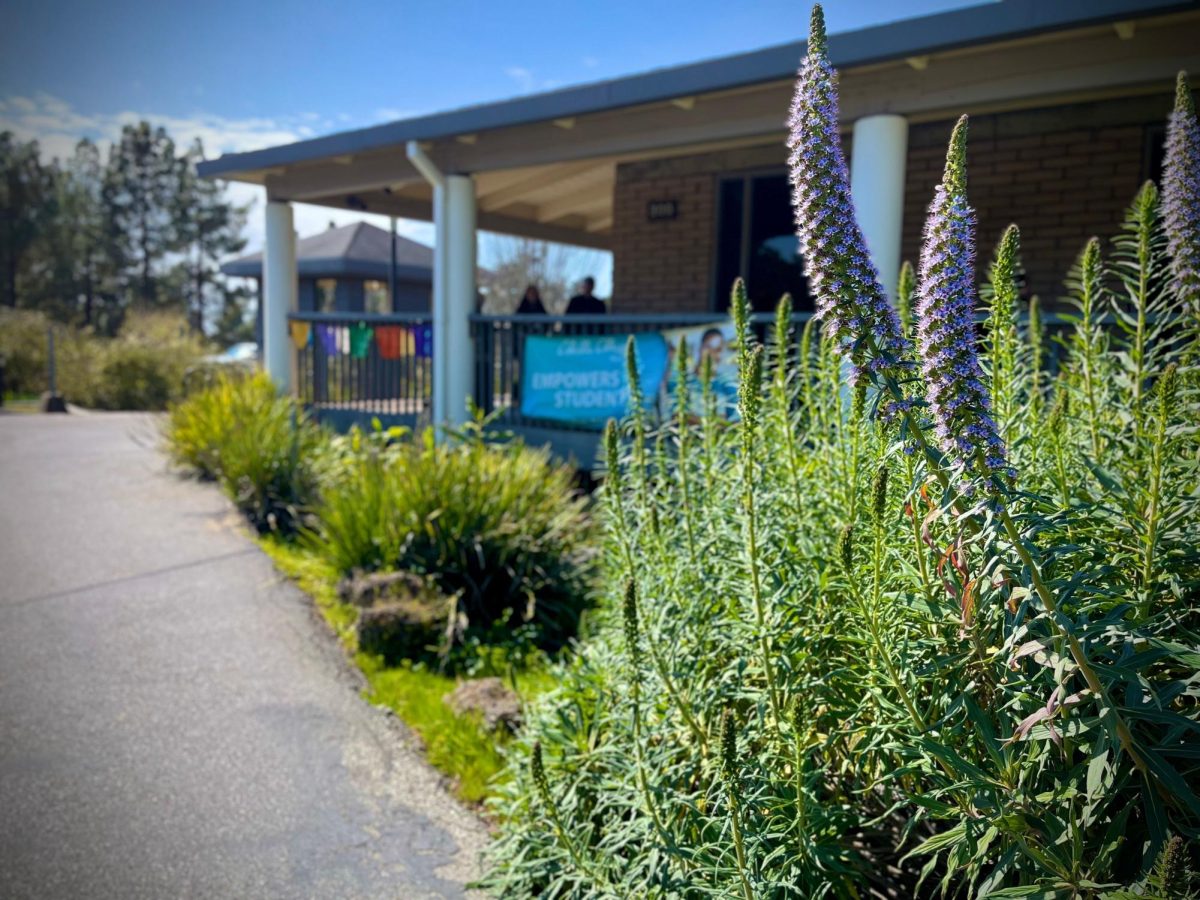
x=835, y=672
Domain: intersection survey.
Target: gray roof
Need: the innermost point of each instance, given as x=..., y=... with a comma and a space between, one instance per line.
x=973, y=25
x=357, y=250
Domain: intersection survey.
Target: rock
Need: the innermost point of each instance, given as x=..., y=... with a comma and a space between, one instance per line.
x=402, y=629
x=497, y=705
x=370, y=588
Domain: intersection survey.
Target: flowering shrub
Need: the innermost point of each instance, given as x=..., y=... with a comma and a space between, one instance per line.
x=938, y=639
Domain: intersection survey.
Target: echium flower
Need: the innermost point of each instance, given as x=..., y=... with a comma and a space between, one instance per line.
x=954, y=387
x=849, y=297
x=1181, y=194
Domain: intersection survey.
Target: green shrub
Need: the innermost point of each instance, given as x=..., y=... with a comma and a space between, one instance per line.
x=499, y=527
x=845, y=656
x=261, y=447
x=142, y=368
x=197, y=428
x=133, y=377
x=23, y=346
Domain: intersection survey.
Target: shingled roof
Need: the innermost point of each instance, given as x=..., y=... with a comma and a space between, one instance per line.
x=358, y=250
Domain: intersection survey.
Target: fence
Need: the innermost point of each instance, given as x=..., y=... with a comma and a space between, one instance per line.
x=344, y=387
x=499, y=343
x=394, y=383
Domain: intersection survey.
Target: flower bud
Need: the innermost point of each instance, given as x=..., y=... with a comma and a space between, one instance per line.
x=729, y=762
x=537, y=771
x=846, y=548
x=632, y=635
x=879, y=495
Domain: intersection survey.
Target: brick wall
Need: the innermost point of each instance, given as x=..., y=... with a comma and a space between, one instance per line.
x=667, y=266
x=1062, y=174
x=662, y=266
x=1061, y=186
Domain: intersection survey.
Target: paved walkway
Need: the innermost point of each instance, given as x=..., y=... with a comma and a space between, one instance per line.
x=175, y=721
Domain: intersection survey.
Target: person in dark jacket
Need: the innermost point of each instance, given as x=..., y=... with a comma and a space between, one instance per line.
x=531, y=304
x=585, y=303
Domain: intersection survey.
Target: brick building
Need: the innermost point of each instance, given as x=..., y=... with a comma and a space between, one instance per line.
x=681, y=173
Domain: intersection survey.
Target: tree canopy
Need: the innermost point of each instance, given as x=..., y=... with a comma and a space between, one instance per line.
x=88, y=237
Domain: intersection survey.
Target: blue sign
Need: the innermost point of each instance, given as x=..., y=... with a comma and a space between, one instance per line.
x=582, y=379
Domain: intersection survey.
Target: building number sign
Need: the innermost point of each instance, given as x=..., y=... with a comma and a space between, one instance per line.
x=662, y=210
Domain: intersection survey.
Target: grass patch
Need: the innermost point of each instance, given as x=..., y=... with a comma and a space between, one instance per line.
x=455, y=745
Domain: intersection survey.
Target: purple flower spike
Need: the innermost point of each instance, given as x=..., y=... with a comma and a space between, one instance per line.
x=1181, y=194
x=850, y=300
x=954, y=384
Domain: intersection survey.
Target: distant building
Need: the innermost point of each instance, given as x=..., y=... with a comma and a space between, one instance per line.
x=348, y=269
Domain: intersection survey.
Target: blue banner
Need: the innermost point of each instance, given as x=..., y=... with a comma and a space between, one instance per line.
x=582, y=379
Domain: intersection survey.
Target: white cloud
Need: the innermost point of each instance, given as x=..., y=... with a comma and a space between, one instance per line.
x=589, y=62
x=391, y=114
x=523, y=77
x=58, y=127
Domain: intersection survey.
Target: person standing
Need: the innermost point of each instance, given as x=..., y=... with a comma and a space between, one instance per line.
x=585, y=303
x=531, y=304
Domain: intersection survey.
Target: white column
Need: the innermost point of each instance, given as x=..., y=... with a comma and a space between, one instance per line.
x=877, y=169
x=458, y=356
x=439, y=305
x=279, y=292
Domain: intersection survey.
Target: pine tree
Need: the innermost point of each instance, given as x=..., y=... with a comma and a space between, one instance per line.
x=141, y=185
x=27, y=207
x=208, y=228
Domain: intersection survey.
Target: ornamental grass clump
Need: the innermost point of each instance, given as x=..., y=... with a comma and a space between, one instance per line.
x=497, y=527
x=930, y=633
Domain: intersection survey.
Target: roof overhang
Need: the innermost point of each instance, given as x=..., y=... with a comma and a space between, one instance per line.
x=335, y=267
x=545, y=165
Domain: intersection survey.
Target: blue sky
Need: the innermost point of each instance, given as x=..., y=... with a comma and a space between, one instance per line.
x=242, y=75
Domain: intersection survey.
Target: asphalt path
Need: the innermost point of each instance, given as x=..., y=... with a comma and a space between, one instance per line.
x=175, y=720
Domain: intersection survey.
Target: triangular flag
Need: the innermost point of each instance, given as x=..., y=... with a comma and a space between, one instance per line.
x=301, y=333
x=393, y=341
x=360, y=340
x=327, y=338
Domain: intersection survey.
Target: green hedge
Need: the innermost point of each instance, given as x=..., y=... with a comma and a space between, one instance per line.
x=144, y=367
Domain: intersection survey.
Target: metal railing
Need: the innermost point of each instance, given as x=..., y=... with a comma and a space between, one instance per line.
x=499, y=343
x=373, y=382
x=344, y=386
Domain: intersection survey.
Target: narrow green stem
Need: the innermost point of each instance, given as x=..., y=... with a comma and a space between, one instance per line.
x=685, y=493
x=760, y=615
x=643, y=782
x=1153, y=512
x=871, y=619
x=738, y=844
x=660, y=665
x=918, y=543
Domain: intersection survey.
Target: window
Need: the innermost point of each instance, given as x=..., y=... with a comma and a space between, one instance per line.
x=327, y=294
x=375, y=297
x=756, y=238
x=1154, y=152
